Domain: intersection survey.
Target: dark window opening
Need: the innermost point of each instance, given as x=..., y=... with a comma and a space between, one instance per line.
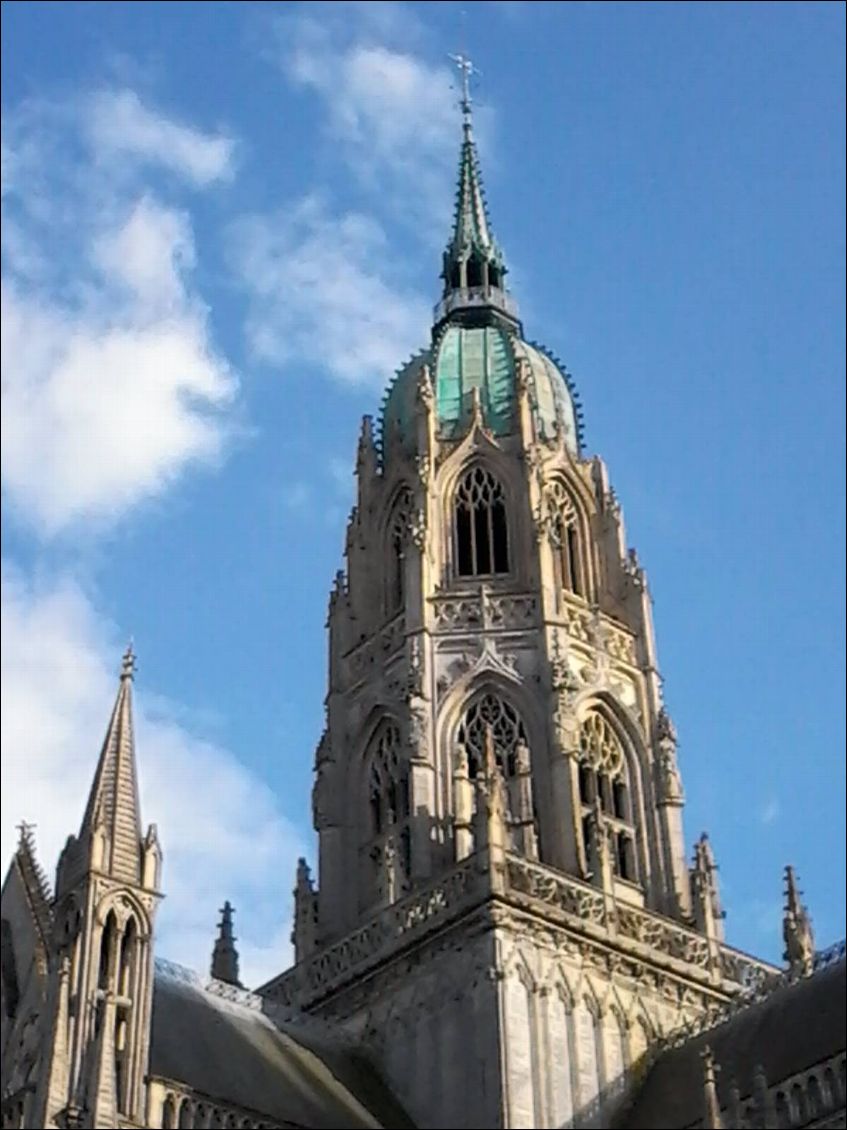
x=621, y=807
x=499, y=538
x=572, y=548
x=493, y=276
x=107, y=943
x=482, y=520
x=624, y=856
x=586, y=784
x=605, y=793
x=456, y=277
x=482, y=541
x=376, y=813
x=474, y=273
x=397, y=569
x=465, y=543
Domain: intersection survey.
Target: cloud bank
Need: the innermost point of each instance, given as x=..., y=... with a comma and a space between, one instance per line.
x=112, y=384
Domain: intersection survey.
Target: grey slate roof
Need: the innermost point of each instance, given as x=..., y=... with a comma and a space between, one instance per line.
x=794, y=1028
x=238, y=1056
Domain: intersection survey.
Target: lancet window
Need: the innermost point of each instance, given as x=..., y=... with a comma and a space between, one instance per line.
x=564, y=535
x=398, y=526
x=604, y=785
x=480, y=528
x=387, y=845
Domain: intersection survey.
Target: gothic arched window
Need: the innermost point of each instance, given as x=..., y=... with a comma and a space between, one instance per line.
x=481, y=538
x=398, y=525
x=564, y=534
x=603, y=783
x=386, y=843
x=492, y=715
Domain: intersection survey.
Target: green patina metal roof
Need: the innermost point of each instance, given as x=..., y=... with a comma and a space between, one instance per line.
x=469, y=358
x=486, y=358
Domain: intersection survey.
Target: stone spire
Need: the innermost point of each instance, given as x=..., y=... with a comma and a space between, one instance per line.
x=797, y=929
x=112, y=821
x=711, y=1105
x=225, y=955
x=473, y=267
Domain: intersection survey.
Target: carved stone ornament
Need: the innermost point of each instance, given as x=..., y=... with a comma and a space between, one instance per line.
x=491, y=659
x=562, y=679
x=418, y=725
x=665, y=729
x=670, y=784
x=414, y=676
x=422, y=466
x=566, y=727
x=417, y=527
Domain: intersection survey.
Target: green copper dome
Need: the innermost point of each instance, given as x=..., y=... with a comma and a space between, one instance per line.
x=464, y=358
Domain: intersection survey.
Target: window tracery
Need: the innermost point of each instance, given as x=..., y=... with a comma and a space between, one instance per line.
x=491, y=714
x=507, y=731
x=480, y=529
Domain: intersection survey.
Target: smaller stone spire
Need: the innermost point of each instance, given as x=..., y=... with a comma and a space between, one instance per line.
x=524, y=820
x=463, y=806
x=111, y=826
x=797, y=930
x=304, y=934
x=490, y=817
x=225, y=955
x=599, y=855
x=711, y=1105
x=708, y=914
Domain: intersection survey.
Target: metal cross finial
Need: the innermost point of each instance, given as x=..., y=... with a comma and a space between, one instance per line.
x=128, y=662
x=25, y=829
x=467, y=68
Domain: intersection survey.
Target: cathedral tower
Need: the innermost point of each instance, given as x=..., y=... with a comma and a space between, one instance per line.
x=502, y=876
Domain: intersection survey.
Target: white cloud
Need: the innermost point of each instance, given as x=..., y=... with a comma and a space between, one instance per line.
x=222, y=833
x=112, y=384
x=322, y=293
x=119, y=125
x=392, y=114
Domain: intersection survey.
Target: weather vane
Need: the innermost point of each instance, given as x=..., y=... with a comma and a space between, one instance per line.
x=467, y=68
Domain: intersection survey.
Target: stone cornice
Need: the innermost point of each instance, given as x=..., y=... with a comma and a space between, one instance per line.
x=558, y=902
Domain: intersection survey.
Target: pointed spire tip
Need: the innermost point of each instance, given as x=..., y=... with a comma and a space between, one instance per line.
x=128, y=661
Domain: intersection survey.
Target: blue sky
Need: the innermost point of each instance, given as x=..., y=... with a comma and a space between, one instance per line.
x=222, y=229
